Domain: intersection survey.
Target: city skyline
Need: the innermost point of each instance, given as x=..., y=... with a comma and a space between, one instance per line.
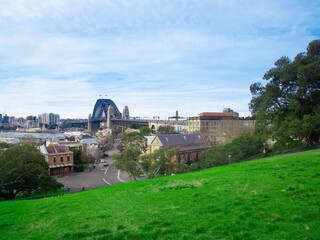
x=155, y=57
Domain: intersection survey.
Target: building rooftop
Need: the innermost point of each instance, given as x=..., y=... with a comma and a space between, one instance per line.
x=57, y=149
x=180, y=139
x=218, y=114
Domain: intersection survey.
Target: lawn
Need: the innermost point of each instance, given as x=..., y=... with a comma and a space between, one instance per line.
x=270, y=198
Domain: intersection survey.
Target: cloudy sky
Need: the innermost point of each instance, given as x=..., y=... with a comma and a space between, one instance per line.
x=154, y=56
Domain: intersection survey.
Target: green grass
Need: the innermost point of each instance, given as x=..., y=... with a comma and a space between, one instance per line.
x=270, y=198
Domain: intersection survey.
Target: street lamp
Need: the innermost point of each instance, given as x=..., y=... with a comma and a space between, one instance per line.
x=229, y=156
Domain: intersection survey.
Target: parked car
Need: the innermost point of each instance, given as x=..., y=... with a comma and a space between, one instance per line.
x=101, y=160
x=105, y=164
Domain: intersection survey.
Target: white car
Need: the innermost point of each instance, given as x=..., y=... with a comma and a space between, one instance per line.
x=101, y=160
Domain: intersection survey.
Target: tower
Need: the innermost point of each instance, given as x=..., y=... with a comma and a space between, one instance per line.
x=125, y=113
x=110, y=115
x=89, y=123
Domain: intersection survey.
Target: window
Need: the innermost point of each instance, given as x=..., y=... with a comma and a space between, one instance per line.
x=61, y=159
x=54, y=159
x=68, y=158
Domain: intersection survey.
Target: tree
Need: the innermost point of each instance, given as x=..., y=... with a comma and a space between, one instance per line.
x=145, y=130
x=106, y=143
x=160, y=159
x=24, y=169
x=240, y=149
x=147, y=165
x=135, y=140
x=166, y=129
x=128, y=161
x=76, y=155
x=4, y=145
x=287, y=107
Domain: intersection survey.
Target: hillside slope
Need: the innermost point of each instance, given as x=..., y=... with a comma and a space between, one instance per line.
x=271, y=198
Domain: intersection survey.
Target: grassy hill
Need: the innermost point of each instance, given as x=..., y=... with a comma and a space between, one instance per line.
x=270, y=198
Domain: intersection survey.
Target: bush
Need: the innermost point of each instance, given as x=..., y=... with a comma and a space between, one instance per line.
x=240, y=149
x=78, y=168
x=4, y=145
x=77, y=156
x=280, y=146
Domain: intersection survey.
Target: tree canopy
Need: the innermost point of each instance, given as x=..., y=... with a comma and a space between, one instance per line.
x=134, y=139
x=127, y=161
x=145, y=130
x=146, y=165
x=166, y=129
x=287, y=107
x=24, y=169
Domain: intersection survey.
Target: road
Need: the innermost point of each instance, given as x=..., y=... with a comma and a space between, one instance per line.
x=100, y=176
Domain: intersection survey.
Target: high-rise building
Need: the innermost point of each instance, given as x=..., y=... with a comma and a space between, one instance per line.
x=43, y=118
x=11, y=119
x=31, y=124
x=5, y=119
x=51, y=119
x=57, y=119
x=0, y=118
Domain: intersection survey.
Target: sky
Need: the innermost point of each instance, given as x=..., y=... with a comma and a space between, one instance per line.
x=154, y=56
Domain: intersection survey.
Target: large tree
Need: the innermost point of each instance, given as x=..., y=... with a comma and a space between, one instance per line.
x=146, y=165
x=159, y=160
x=135, y=140
x=128, y=161
x=287, y=106
x=24, y=170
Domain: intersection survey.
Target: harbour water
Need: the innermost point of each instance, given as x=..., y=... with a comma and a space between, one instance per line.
x=14, y=137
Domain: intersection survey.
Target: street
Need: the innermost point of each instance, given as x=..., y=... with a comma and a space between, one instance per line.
x=100, y=176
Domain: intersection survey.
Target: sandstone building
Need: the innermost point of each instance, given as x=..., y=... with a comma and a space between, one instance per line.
x=219, y=127
x=190, y=146
x=60, y=158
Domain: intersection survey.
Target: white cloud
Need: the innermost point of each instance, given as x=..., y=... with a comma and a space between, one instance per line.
x=154, y=56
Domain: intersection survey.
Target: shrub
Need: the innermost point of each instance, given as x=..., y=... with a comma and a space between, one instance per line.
x=240, y=149
x=78, y=168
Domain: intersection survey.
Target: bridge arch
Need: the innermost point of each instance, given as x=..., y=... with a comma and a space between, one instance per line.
x=100, y=111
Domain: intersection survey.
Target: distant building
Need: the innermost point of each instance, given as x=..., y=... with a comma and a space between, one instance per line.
x=5, y=119
x=178, y=126
x=60, y=158
x=190, y=146
x=51, y=119
x=48, y=119
x=43, y=119
x=31, y=124
x=29, y=118
x=56, y=119
x=11, y=119
x=219, y=127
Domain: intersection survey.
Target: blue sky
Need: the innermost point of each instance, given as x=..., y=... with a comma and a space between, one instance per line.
x=156, y=57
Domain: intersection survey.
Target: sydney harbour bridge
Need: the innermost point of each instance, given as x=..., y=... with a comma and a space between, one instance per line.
x=107, y=115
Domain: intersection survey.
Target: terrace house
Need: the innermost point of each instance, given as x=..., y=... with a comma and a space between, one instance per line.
x=60, y=158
